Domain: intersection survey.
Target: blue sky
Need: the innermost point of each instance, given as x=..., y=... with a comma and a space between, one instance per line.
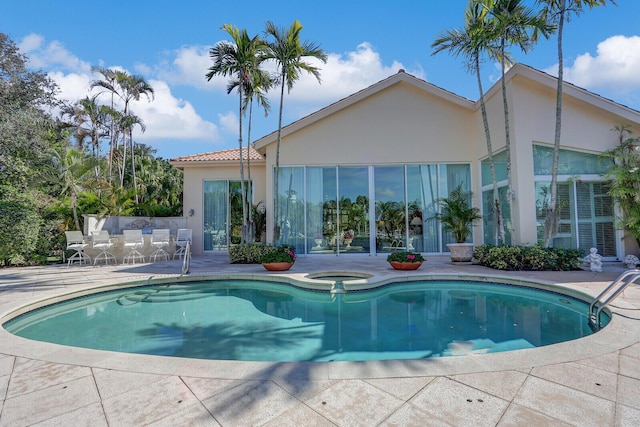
x=168, y=42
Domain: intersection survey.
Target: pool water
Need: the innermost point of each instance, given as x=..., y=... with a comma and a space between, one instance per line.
x=265, y=321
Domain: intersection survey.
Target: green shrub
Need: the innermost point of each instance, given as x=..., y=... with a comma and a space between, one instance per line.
x=19, y=230
x=280, y=254
x=534, y=258
x=249, y=254
x=254, y=253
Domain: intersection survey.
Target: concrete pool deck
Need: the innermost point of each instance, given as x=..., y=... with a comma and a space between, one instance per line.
x=590, y=381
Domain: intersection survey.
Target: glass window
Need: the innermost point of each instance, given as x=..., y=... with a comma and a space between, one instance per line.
x=585, y=216
x=322, y=208
x=422, y=196
x=326, y=210
x=222, y=214
x=569, y=163
x=352, y=233
x=451, y=176
x=215, y=215
x=390, y=208
x=291, y=217
x=488, y=216
x=500, y=164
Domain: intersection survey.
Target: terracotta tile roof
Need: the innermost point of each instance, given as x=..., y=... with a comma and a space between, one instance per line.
x=220, y=156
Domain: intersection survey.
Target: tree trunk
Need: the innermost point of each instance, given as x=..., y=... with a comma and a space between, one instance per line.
x=551, y=222
x=243, y=238
x=251, y=230
x=497, y=211
x=276, y=226
x=507, y=140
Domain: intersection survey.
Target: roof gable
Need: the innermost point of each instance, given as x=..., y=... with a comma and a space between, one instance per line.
x=568, y=89
x=398, y=78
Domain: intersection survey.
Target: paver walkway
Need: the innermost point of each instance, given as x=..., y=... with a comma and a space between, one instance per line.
x=594, y=381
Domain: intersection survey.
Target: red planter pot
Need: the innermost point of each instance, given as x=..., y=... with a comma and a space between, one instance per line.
x=405, y=265
x=277, y=266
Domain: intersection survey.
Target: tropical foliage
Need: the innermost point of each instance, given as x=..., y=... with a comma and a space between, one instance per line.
x=624, y=178
x=53, y=169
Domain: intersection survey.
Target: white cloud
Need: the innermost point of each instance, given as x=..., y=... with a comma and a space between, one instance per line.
x=614, y=68
x=344, y=74
x=188, y=66
x=51, y=56
x=166, y=117
x=72, y=86
x=229, y=122
x=169, y=117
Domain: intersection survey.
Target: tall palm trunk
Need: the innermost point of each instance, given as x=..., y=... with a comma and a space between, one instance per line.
x=251, y=230
x=496, y=206
x=276, y=227
x=243, y=238
x=133, y=166
x=124, y=158
x=507, y=138
x=551, y=221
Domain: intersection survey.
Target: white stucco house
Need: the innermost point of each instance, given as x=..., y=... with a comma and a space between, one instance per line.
x=364, y=174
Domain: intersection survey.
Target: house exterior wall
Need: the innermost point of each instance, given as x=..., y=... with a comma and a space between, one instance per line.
x=403, y=120
x=401, y=125
x=194, y=178
x=585, y=128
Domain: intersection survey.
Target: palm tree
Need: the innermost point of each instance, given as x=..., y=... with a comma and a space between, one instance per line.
x=132, y=87
x=559, y=11
x=125, y=125
x=108, y=84
x=70, y=169
x=513, y=23
x=474, y=40
x=88, y=120
x=289, y=52
x=238, y=59
x=257, y=88
x=128, y=88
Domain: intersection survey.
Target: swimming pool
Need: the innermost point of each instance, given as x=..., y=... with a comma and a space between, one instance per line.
x=267, y=321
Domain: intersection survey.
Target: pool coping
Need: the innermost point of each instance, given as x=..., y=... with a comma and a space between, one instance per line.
x=620, y=333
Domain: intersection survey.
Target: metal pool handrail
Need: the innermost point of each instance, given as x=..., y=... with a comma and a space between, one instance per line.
x=620, y=284
x=186, y=262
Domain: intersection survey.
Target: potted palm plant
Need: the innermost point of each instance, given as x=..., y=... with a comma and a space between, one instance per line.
x=458, y=217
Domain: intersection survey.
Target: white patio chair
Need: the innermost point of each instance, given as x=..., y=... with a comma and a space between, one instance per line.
x=182, y=238
x=132, y=242
x=100, y=240
x=76, y=242
x=159, y=239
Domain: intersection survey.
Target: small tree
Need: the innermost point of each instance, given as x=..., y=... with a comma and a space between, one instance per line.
x=624, y=176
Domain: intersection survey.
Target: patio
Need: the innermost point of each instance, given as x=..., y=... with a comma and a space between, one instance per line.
x=591, y=381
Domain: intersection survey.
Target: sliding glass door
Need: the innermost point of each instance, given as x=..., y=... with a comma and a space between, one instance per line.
x=222, y=214
x=347, y=209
